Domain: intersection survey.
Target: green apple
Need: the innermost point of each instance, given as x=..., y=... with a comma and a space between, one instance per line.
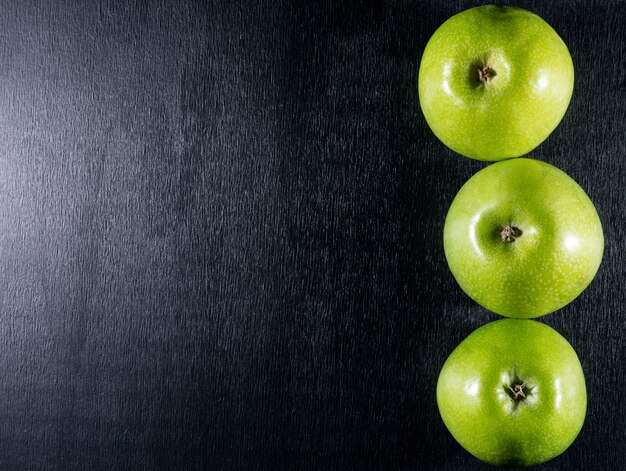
x=494, y=82
x=522, y=238
x=513, y=393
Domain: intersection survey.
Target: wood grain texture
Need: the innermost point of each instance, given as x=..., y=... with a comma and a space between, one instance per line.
x=221, y=235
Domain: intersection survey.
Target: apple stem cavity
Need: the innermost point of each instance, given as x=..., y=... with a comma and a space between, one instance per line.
x=510, y=233
x=485, y=74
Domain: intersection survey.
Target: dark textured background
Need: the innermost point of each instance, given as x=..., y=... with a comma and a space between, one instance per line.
x=220, y=240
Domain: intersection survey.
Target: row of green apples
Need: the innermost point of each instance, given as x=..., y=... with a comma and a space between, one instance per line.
x=521, y=237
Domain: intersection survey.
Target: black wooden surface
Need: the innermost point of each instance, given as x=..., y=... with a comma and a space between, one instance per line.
x=220, y=235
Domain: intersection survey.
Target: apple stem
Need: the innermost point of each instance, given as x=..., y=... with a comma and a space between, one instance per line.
x=510, y=233
x=485, y=74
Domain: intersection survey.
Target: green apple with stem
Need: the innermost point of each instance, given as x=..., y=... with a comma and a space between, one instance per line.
x=513, y=393
x=522, y=239
x=494, y=82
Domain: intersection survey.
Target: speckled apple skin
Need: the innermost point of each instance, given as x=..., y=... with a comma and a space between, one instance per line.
x=550, y=264
x=515, y=111
x=479, y=413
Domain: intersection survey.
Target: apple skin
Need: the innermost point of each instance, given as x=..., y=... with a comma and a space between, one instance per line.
x=479, y=409
x=517, y=109
x=553, y=260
